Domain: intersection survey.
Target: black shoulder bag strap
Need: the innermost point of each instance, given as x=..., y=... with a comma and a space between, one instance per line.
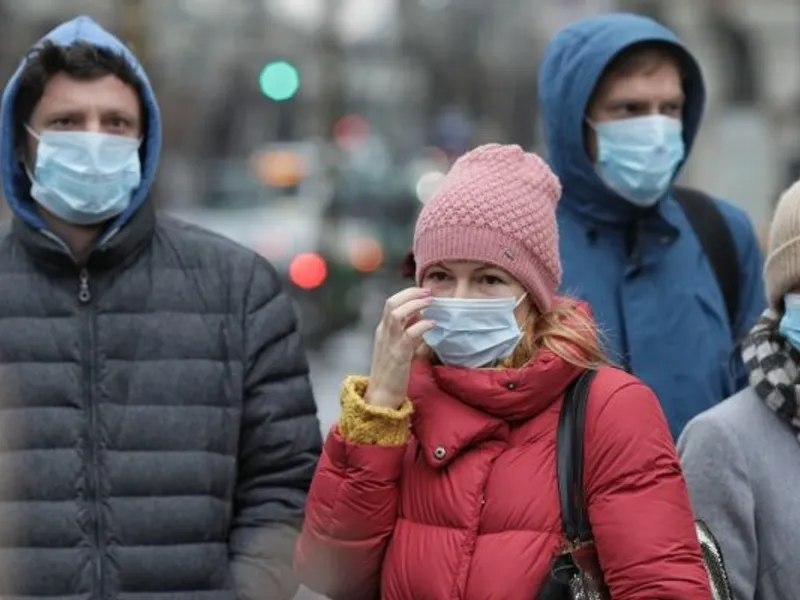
x=569, y=473
x=717, y=241
x=569, y=459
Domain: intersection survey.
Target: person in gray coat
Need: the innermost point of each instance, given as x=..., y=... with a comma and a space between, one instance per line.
x=159, y=433
x=741, y=458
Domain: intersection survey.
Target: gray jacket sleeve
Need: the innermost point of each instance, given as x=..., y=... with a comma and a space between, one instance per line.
x=279, y=446
x=716, y=472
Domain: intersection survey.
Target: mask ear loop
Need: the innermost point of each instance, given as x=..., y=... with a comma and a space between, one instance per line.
x=35, y=135
x=28, y=172
x=519, y=301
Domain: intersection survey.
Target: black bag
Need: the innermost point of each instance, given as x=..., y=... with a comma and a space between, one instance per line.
x=575, y=573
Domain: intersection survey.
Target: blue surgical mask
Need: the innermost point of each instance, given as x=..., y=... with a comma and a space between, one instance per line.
x=789, y=327
x=637, y=158
x=473, y=333
x=85, y=177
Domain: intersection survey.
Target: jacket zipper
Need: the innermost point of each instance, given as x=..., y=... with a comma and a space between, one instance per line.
x=85, y=298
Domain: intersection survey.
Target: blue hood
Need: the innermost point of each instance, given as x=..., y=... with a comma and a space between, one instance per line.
x=15, y=181
x=572, y=65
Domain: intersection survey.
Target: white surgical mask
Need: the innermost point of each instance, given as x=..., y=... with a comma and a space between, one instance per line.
x=637, y=157
x=789, y=326
x=85, y=177
x=473, y=333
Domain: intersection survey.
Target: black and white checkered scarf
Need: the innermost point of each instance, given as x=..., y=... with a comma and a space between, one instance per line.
x=774, y=365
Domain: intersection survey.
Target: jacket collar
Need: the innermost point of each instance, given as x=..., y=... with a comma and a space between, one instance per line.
x=120, y=248
x=456, y=408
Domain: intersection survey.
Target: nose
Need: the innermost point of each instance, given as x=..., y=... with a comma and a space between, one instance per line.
x=93, y=123
x=462, y=289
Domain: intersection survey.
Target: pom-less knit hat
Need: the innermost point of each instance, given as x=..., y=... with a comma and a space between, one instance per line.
x=496, y=206
x=782, y=267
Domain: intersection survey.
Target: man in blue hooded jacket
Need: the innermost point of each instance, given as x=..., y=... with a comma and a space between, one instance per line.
x=158, y=427
x=622, y=100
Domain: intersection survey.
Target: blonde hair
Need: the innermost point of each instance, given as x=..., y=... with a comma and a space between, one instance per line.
x=567, y=330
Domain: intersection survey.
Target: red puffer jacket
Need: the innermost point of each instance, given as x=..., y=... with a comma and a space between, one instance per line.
x=468, y=508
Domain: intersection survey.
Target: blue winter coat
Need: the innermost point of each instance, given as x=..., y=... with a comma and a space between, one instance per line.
x=660, y=305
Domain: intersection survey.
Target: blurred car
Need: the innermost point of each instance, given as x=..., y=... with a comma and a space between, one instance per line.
x=384, y=206
x=321, y=263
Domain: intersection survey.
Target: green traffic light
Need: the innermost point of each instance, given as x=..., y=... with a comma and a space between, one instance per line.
x=279, y=81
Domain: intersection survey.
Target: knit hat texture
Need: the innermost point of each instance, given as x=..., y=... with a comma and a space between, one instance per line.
x=782, y=267
x=496, y=206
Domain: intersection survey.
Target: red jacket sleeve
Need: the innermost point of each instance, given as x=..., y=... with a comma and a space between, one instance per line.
x=637, y=498
x=350, y=516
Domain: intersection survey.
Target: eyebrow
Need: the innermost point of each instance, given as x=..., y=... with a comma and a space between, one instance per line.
x=116, y=112
x=494, y=271
x=80, y=112
x=484, y=269
x=490, y=269
x=62, y=112
x=621, y=100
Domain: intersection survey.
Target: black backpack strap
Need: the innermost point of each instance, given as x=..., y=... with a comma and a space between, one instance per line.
x=569, y=459
x=717, y=241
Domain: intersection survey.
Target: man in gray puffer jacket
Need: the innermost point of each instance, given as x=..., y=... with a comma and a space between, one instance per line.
x=159, y=432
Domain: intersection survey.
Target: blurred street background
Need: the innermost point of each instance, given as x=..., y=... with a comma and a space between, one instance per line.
x=313, y=130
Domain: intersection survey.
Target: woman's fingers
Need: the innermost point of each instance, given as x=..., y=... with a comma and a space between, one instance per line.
x=414, y=332
x=411, y=308
x=402, y=319
x=402, y=297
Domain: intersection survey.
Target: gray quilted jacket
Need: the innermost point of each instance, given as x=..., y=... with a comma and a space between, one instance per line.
x=157, y=429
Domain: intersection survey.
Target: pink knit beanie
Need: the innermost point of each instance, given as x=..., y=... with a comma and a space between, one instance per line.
x=496, y=206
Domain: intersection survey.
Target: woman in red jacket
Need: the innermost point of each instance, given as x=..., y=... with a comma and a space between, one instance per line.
x=439, y=480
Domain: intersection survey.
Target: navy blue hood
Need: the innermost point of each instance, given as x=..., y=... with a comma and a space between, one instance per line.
x=572, y=66
x=15, y=180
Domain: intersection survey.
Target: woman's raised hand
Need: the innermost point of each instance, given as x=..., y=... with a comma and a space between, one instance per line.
x=397, y=338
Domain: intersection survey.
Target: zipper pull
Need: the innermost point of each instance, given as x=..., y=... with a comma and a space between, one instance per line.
x=84, y=294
